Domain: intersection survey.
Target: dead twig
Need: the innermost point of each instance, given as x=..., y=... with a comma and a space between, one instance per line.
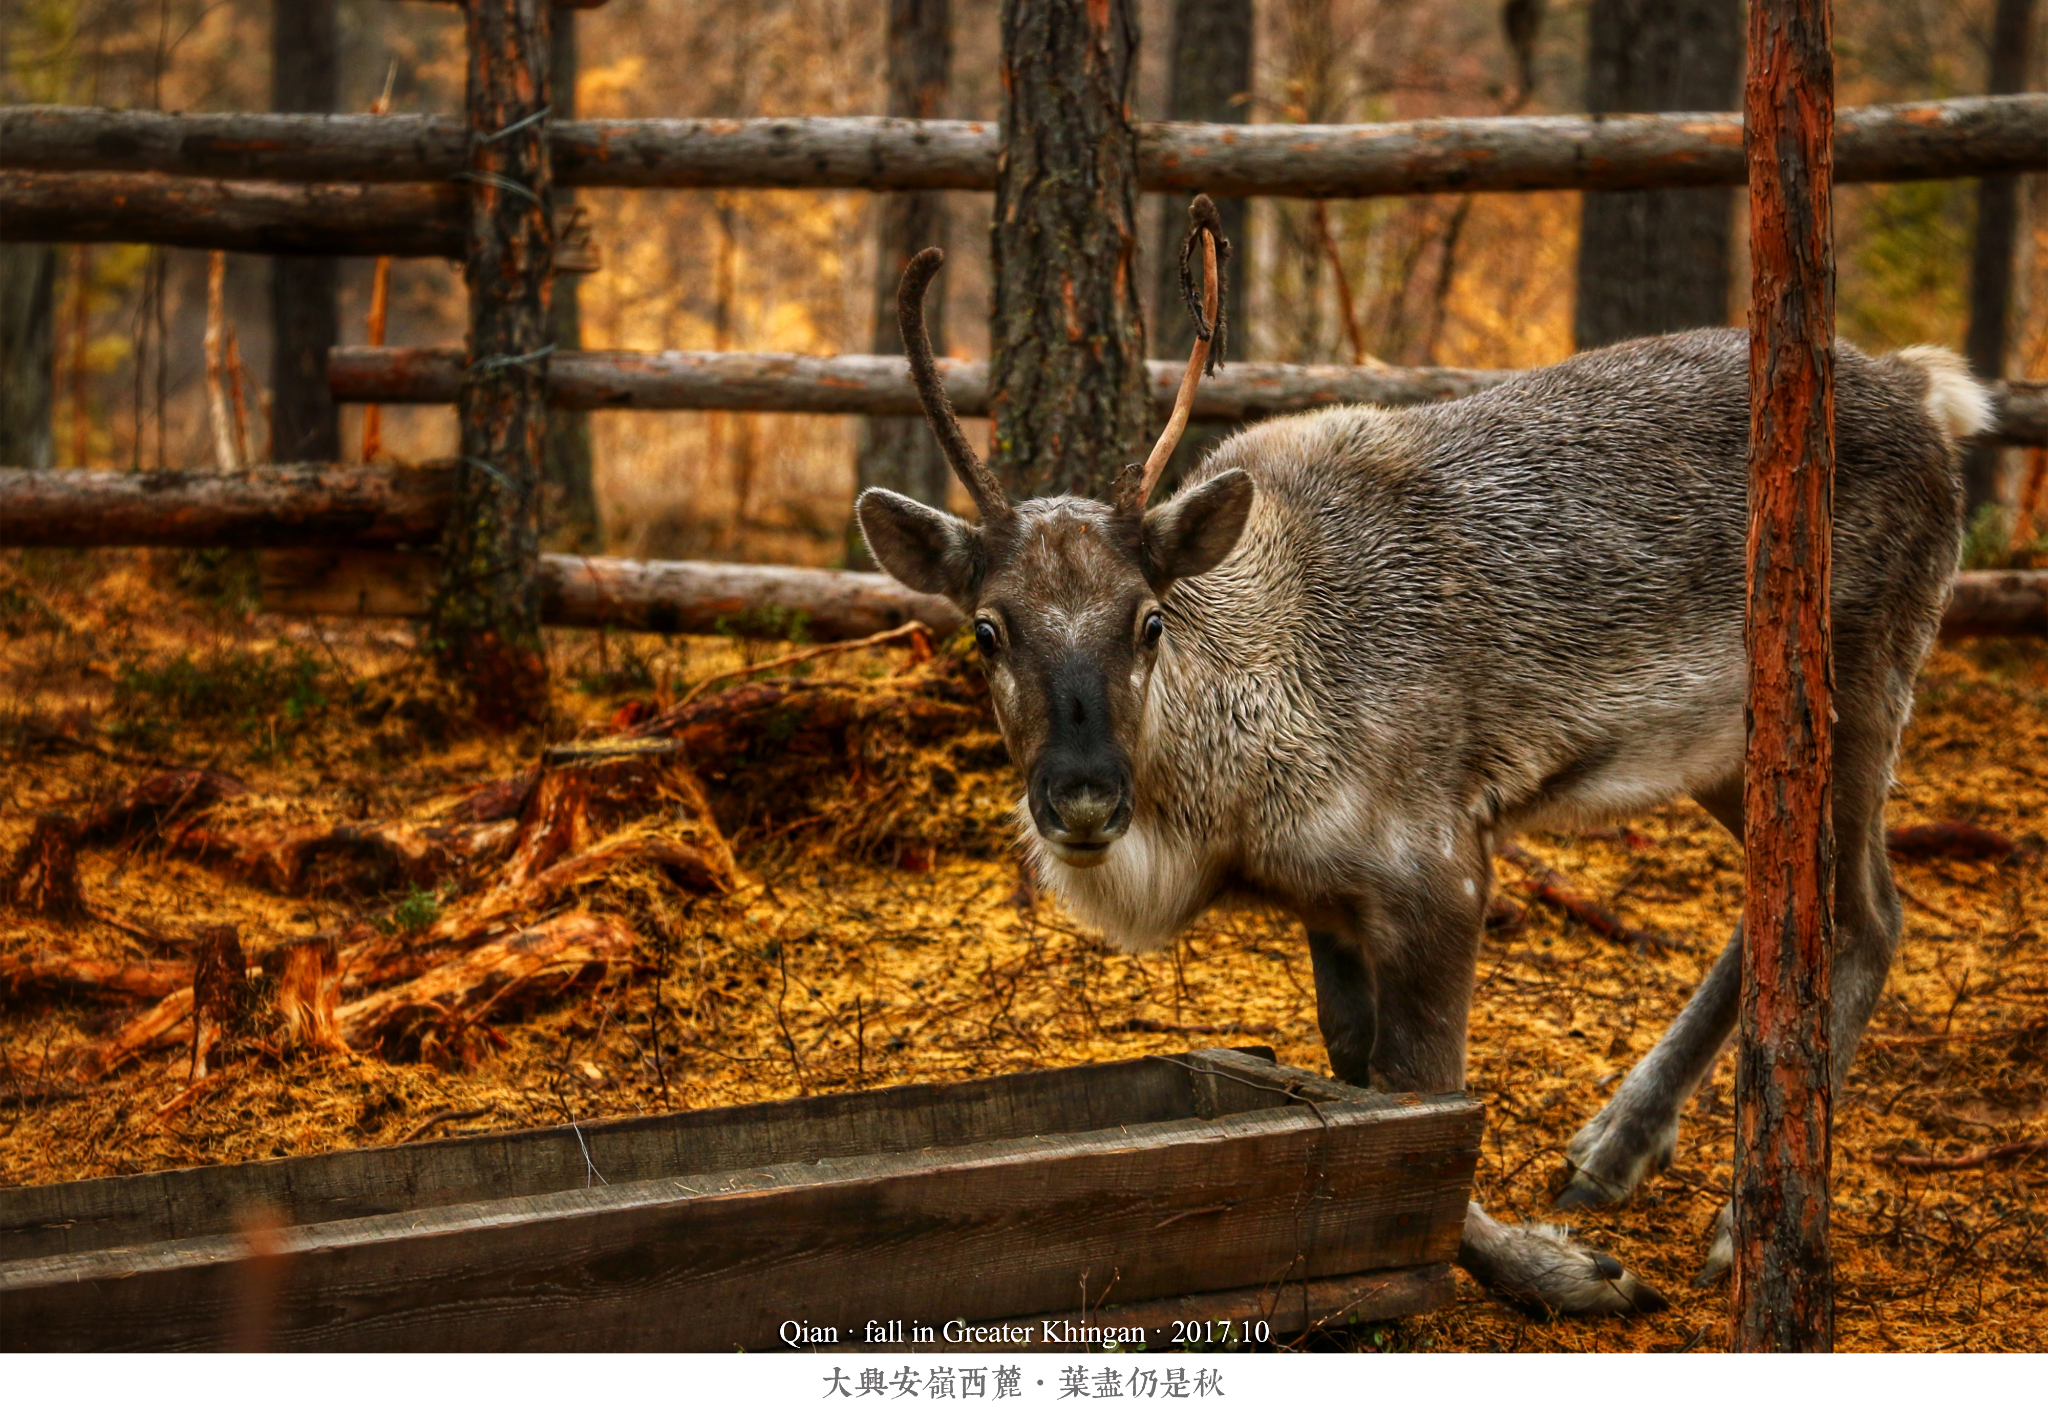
x=1554, y=889
x=441, y=1118
x=1974, y=1160
x=909, y=631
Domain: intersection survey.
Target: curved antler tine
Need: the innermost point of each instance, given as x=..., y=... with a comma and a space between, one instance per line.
x=924, y=371
x=1205, y=224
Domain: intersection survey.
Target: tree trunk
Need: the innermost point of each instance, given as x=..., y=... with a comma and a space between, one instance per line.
x=1991, y=265
x=571, y=477
x=1067, y=333
x=305, y=77
x=1783, y=1287
x=899, y=452
x=1210, y=78
x=28, y=353
x=1651, y=262
x=487, y=610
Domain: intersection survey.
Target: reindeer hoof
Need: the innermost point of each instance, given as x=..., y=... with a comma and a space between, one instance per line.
x=1541, y=1271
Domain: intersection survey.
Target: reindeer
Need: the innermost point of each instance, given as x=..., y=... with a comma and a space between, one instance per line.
x=1360, y=646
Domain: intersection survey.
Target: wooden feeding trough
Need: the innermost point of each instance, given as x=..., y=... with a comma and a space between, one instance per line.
x=1128, y=1195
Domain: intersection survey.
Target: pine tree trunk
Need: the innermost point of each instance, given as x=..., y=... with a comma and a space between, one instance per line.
x=1656, y=260
x=1067, y=333
x=899, y=452
x=570, y=470
x=1783, y=1286
x=305, y=77
x=1208, y=81
x=1991, y=266
x=28, y=354
x=487, y=609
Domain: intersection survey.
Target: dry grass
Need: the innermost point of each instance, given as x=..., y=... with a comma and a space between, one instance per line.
x=920, y=961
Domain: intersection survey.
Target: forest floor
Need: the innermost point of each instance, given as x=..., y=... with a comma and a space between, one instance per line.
x=870, y=929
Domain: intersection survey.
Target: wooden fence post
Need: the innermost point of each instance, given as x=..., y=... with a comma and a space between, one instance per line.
x=1783, y=1288
x=1994, y=248
x=1067, y=331
x=487, y=610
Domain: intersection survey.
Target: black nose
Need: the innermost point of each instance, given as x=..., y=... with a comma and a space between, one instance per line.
x=1081, y=805
x=1080, y=787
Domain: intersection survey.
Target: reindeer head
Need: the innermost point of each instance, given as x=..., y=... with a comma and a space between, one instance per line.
x=1067, y=595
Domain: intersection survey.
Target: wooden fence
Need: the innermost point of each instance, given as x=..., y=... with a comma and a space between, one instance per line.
x=408, y=185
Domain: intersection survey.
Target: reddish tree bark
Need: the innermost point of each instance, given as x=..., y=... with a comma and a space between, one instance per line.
x=487, y=612
x=1783, y=1287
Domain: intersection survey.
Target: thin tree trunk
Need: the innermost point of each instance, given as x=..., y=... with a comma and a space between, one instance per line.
x=1067, y=333
x=1209, y=81
x=571, y=478
x=1783, y=1287
x=28, y=354
x=305, y=77
x=1991, y=265
x=487, y=608
x=899, y=453
x=1656, y=261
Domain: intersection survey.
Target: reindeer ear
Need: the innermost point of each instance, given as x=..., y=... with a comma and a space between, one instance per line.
x=1196, y=529
x=924, y=549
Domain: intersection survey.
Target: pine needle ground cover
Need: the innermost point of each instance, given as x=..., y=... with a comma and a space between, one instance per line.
x=266, y=893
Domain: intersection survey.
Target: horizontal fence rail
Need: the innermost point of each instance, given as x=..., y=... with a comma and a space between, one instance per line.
x=235, y=215
x=880, y=385
x=374, y=520
x=1953, y=138
x=863, y=384
x=267, y=506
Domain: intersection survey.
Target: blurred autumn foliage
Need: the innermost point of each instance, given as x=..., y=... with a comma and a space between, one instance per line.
x=1425, y=282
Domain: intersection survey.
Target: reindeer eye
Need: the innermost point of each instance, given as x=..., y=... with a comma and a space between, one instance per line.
x=1155, y=628
x=985, y=636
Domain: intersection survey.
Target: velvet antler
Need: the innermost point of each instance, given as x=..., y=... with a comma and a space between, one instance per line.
x=1205, y=226
x=938, y=410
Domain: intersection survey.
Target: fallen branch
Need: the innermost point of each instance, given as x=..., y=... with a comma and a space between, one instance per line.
x=1193, y=1029
x=1552, y=887
x=157, y=803
x=61, y=972
x=1976, y=1159
x=1948, y=839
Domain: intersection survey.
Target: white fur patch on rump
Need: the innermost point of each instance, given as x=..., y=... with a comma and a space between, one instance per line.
x=1955, y=400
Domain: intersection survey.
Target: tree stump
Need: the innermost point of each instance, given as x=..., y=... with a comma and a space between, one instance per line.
x=44, y=878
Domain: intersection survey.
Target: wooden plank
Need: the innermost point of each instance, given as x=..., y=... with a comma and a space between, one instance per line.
x=1287, y=1312
x=127, y=1210
x=721, y=1261
x=1953, y=138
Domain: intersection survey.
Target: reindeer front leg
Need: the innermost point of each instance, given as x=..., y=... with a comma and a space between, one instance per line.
x=1394, y=996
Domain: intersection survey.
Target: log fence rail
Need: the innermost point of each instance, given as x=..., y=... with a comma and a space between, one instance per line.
x=400, y=185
